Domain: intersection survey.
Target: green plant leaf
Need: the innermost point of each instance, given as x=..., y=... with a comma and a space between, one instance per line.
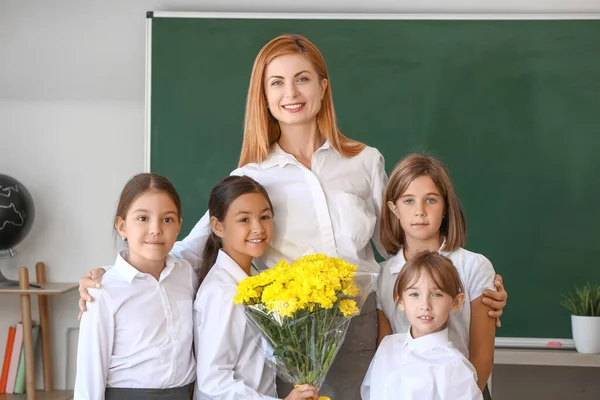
x=583, y=301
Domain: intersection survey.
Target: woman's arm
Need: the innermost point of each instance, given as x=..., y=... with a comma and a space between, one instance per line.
x=481, y=341
x=96, y=334
x=89, y=281
x=189, y=249
x=384, y=327
x=496, y=299
x=192, y=246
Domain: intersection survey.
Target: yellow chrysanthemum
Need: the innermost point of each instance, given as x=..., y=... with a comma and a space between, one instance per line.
x=351, y=290
x=312, y=281
x=348, y=307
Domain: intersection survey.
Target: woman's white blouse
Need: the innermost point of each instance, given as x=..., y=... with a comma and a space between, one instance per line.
x=230, y=365
x=138, y=332
x=476, y=273
x=333, y=208
x=427, y=368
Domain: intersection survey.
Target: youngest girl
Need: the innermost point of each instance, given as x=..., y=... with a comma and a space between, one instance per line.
x=230, y=364
x=421, y=363
x=135, y=341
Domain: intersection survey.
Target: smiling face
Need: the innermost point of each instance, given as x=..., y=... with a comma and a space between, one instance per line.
x=293, y=90
x=426, y=306
x=150, y=226
x=246, y=229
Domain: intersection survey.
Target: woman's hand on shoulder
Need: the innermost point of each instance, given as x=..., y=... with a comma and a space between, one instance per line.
x=496, y=299
x=302, y=392
x=90, y=280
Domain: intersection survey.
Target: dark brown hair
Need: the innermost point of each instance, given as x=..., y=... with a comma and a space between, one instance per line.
x=439, y=268
x=143, y=183
x=225, y=192
x=411, y=167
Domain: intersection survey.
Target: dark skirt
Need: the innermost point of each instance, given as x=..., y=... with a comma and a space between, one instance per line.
x=486, y=393
x=180, y=393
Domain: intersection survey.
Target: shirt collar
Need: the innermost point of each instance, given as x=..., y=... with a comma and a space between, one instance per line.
x=397, y=262
x=427, y=342
x=129, y=272
x=232, y=268
x=278, y=157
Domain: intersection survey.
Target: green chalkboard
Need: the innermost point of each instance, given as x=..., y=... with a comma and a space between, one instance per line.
x=511, y=106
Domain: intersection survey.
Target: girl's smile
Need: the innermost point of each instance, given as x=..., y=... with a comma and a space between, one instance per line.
x=246, y=229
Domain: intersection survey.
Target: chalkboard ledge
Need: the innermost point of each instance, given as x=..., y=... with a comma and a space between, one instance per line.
x=545, y=357
x=534, y=343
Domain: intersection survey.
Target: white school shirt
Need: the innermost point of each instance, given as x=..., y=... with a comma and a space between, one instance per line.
x=427, y=368
x=476, y=273
x=137, y=333
x=333, y=208
x=230, y=365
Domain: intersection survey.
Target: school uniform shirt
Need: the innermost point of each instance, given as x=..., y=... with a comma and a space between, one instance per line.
x=230, y=363
x=333, y=208
x=476, y=273
x=138, y=332
x=427, y=368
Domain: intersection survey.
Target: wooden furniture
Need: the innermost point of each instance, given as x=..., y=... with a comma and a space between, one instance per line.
x=542, y=357
x=55, y=395
x=25, y=291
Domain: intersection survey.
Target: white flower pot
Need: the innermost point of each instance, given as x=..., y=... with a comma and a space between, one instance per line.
x=586, y=333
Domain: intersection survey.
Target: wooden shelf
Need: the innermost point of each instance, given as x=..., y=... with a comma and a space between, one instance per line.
x=548, y=357
x=55, y=395
x=25, y=291
x=47, y=289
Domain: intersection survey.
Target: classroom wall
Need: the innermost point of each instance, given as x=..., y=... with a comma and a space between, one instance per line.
x=72, y=120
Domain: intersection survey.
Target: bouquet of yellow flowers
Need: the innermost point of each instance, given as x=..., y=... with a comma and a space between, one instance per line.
x=302, y=311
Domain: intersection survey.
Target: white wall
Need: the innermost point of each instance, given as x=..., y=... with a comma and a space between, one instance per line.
x=72, y=119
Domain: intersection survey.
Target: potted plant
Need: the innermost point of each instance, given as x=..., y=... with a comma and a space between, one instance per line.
x=584, y=305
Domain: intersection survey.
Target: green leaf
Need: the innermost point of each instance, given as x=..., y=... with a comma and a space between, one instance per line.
x=583, y=301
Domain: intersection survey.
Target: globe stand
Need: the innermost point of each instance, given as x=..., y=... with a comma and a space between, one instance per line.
x=4, y=281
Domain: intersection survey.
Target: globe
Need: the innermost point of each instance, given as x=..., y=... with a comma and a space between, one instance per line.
x=17, y=212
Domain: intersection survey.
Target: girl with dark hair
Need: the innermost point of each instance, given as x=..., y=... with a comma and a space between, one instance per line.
x=230, y=365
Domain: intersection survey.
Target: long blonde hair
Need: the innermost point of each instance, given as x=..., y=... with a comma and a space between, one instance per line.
x=261, y=129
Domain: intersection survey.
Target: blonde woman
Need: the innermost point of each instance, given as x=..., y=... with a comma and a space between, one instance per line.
x=326, y=189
